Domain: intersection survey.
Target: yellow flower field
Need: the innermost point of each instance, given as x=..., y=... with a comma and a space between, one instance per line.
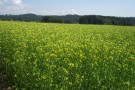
x=44, y=56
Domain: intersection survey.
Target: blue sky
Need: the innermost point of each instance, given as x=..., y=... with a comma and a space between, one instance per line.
x=62, y=7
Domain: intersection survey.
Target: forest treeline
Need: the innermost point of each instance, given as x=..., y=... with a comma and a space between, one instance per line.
x=39, y=18
x=23, y=17
x=86, y=19
x=109, y=20
x=61, y=19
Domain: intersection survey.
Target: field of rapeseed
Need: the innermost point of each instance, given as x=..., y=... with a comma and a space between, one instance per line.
x=42, y=56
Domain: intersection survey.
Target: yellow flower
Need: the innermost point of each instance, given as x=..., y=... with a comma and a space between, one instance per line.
x=66, y=78
x=65, y=71
x=71, y=64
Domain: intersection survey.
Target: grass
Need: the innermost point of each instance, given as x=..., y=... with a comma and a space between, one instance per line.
x=63, y=56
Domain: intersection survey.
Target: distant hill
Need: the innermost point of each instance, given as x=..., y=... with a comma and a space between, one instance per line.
x=33, y=17
x=86, y=19
x=22, y=17
x=62, y=19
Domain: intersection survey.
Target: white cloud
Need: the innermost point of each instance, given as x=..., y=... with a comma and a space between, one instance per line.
x=73, y=11
x=60, y=12
x=16, y=2
x=1, y=2
x=12, y=7
x=11, y=2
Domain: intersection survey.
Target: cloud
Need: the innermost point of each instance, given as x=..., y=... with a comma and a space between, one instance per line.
x=11, y=2
x=12, y=7
x=1, y=2
x=60, y=12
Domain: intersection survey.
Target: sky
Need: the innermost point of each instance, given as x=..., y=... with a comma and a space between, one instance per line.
x=124, y=8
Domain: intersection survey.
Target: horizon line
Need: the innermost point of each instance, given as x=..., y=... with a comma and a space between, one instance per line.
x=68, y=14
